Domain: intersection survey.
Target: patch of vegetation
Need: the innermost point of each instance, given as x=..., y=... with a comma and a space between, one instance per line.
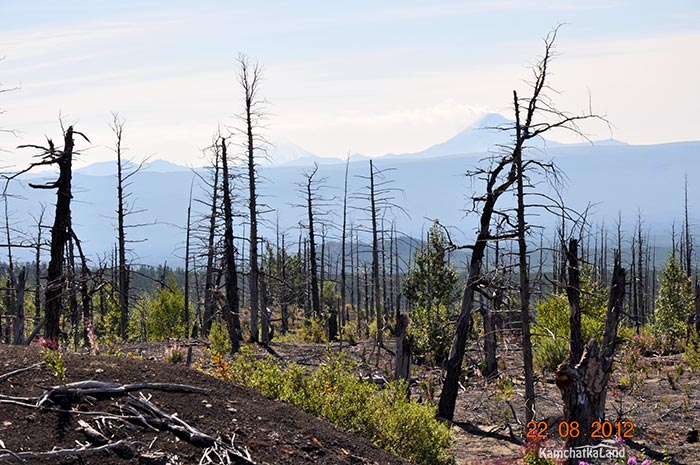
x=674, y=304
x=431, y=288
x=164, y=308
x=175, y=354
x=219, y=342
x=53, y=358
x=388, y=417
x=551, y=342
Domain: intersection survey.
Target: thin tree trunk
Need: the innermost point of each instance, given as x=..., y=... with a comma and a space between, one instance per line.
x=375, y=260
x=209, y=272
x=231, y=311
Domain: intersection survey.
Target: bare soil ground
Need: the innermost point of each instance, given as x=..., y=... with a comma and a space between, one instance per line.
x=273, y=432
x=661, y=399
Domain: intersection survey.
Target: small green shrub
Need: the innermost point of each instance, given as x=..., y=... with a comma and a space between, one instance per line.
x=219, y=341
x=314, y=331
x=674, y=303
x=164, y=308
x=54, y=360
x=692, y=353
x=175, y=354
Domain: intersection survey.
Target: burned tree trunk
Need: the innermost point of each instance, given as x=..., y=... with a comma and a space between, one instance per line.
x=313, y=263
x=121, y=236
x=343, y=277
x=583, y=386
x=60, y=231
x=465, y=322
x=231, y=311
x=403, y=349
x=573, y=293
x=186, y=315
x=18, y=283
x=209, y=303
x=249, y=79
x=375, y=259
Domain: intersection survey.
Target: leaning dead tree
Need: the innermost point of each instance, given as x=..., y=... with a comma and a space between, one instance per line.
x=61, y=231
x=510, y=171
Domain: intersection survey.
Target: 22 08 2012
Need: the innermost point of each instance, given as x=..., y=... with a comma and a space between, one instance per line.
x=572, y=429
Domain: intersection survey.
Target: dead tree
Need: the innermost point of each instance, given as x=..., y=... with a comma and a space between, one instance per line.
x=313, y=263
x=188, y=229
x=583, y=383
x=37, y=263
x=342, y=243
x=404, y=344
x=317, y=208
x=61, y=230
x=528, y=113
x=499, y=179
x=209, y=301
x=379, y=198
x=231, y=312
x=686, y=229
x=124, y=209
x=249, y=78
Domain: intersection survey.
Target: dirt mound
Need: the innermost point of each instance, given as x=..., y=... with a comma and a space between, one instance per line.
x=272, y=432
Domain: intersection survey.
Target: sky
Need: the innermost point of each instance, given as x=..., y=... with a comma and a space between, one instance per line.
x=367, y=77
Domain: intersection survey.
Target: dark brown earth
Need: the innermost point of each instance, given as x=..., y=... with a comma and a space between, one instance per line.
x=273, y=432
x=655, y=393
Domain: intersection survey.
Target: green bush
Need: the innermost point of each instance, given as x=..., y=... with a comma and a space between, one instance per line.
x=431, y=329
x=431, y=288
x=165, y=311
x=674, y=303
x=219, y=341
x=551, y=342
x=387, y=417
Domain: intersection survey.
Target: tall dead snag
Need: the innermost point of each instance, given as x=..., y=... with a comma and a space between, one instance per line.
x=531, y=116
x=61, y=229
x=378, y=310
x=231, y=312
x=583, y=385
x=186, y=313
x=209, y=300
x=124, y=209
x=249, y=78
x=342, y=245
x=317, y=207
x=37, y=264
x=313, y=262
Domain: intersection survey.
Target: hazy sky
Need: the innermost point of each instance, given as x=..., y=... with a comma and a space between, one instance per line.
x=362, y=76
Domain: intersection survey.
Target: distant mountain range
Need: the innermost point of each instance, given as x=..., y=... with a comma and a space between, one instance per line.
x=611, y=175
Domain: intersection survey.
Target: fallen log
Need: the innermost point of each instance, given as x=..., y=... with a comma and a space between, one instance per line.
x=76, y=392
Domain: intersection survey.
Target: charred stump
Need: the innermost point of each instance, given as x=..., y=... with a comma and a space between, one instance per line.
x=583, y=386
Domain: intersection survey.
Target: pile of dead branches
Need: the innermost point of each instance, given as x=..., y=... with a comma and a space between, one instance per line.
x=117, y=431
